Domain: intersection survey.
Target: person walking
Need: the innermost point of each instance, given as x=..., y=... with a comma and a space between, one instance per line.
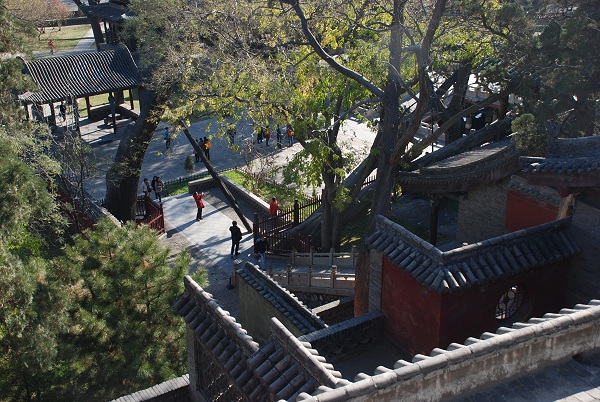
x=267, y=135
x=196, y=153
x=207, y=147
x=279, y=137
x=159, y=188
x=199, y=204
x=153, y=184
x=260, y=247
x=167, y=138
x=236, y=236
x=146, y=188
x=290, y=135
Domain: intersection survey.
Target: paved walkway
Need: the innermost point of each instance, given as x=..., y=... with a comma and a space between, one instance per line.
x=211, y=235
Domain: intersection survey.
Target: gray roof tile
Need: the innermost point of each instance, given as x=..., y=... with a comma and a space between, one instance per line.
x=62, y=77
x=479, y=263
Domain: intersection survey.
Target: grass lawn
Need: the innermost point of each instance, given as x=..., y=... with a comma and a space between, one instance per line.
x=102, y=99
x=284, y=195
x=64, y=39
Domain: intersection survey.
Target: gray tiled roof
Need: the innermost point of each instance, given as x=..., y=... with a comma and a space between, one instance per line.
x=284, y=301
x=473, y=264
x=78, y=75
x=469, y=169
x=281, y=369
x=567, y=156
x=547, y=194
x=108, y=11
x=164, y=388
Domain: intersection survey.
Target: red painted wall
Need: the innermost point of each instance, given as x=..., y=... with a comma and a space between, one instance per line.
x=524, y=212
x=412, y=312
x=420, y=320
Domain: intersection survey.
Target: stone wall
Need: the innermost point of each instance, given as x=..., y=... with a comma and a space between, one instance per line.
x=349, y=338
x=482, y=213
x=584, y=276
x=336, y=311
x=238, y=192
x=462, y=368
x=261, y=298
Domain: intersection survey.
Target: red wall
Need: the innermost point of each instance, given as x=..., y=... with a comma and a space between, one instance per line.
x=524, y=212
x=412, y=312
x=420, y=319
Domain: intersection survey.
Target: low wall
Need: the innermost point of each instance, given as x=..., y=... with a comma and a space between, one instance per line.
x=261, y=299
x=336, y=311
x=238, y=192
x=510, y=353
x=175, y=390
x=346, y=339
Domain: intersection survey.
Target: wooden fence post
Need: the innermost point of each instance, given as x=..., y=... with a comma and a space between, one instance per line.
x=288, y=274
x=310, y=258
x=309, y=276
x=353, y=251
x=333, y=275
x=331, y=252
x=294, y=256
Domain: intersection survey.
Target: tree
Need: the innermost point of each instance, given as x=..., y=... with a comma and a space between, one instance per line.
x=123, y=316
x=314, y=64
x=39, y=12
x=57, y=313
x=565, y=90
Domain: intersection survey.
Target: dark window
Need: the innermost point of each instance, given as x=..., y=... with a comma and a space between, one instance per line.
x=509, y=303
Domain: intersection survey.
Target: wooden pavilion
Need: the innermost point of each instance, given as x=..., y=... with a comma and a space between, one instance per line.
x=67, y=78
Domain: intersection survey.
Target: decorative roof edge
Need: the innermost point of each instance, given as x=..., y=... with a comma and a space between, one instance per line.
x=464, y=251
x=212, y=307
x=570, y=332
x=302, y=353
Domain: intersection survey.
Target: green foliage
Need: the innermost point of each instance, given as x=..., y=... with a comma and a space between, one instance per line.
x=529, y=136
x=123, y=317
x=565, y=88
x=285, y=196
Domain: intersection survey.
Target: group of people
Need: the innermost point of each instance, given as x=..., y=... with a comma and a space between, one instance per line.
x=264, y=133
x=156, y=185
x=205, y=146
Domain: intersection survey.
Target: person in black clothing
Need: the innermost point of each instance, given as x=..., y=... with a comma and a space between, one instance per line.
x=236, y=236
x=260, y=247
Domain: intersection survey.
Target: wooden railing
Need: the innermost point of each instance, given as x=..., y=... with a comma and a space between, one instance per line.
x=325, y=259
x=289, y=217
x=150, y=213
x=329, y=282
x=277, y=229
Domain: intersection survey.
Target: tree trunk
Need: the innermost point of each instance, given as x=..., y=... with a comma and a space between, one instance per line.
x=232, y=202
x=123, y=177
x=95, y=24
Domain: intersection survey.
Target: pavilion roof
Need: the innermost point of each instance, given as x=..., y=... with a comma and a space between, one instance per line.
x=79, y=75
x=108, y=11
x=469, y=169
x=474, y=264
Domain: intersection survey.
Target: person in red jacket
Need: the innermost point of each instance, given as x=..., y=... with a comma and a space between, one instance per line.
x=273, y=206
x=199, y=204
